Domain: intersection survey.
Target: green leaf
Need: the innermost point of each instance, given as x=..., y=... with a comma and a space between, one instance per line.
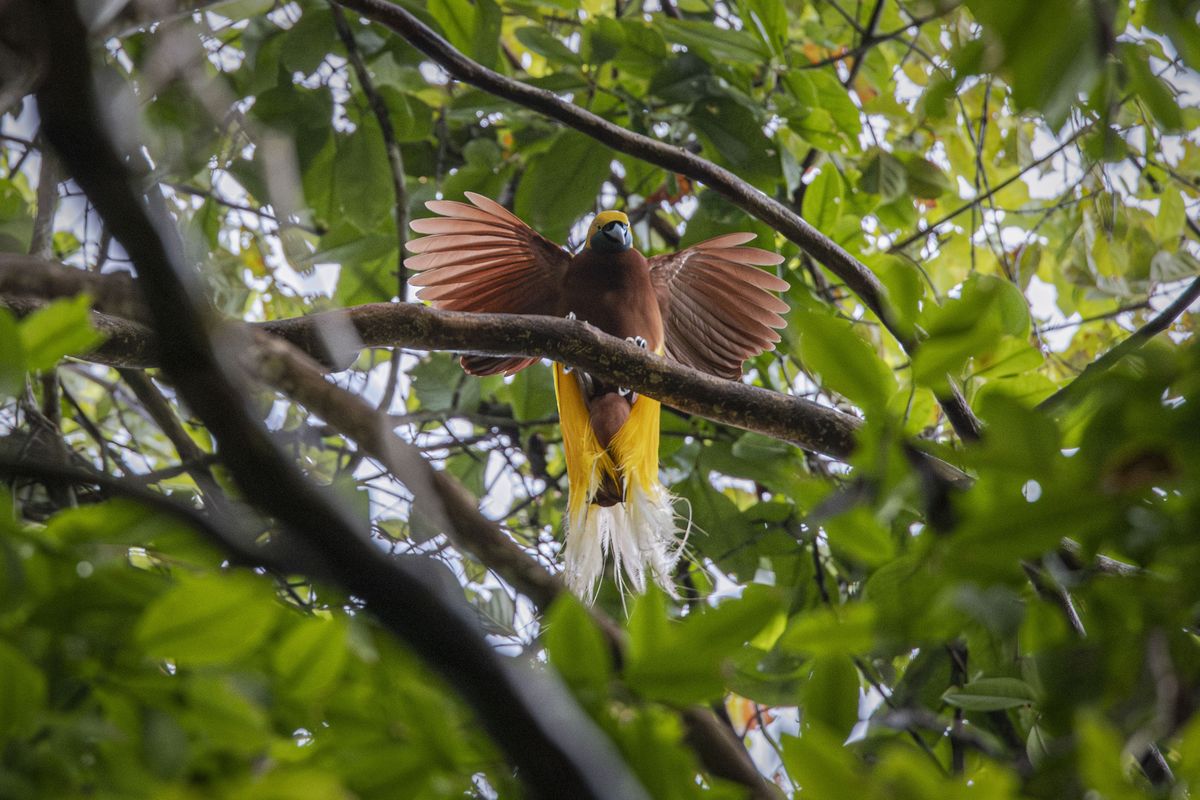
x=905, y=288
x=768, y=19
x=925, y=179
x=439, y=383
x=12, y=355
x=210, y=620
x=991, y=694
x=823, y=199
x=472, y=26
x=1170, y=219
x=547, y=45
x=1049, y=49
x=310, y=656
x=732, y=135
x=822, y=112
x=829, y=348
x=988, y=309
x=307, y=43
x=562, y=183
x=710, y=42
x=411, y=119
x=831, y=694
x=689, y=661
x=532, y=393
x=884, y=175
x=846, y=630
x=1151, y=90
x=832, y=96
x=22, y=692
x=60, y=329
x=576, y=647
x=818, y=761
x=603, y=38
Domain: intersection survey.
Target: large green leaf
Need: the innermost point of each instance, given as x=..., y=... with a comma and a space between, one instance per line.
x=991, y=694
x=209, y=620
x=60, y=329
x=576, y=647
x=832, y=351
x=563, y=183
x=22, y=692
x=689, y=661
x=473, y=26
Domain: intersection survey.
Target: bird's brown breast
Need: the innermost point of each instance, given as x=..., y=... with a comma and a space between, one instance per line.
x=613, y=292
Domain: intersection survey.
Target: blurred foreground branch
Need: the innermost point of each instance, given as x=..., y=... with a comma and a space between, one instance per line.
x=557, y=750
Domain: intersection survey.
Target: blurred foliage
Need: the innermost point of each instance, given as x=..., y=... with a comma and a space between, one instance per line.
x=1020, y=175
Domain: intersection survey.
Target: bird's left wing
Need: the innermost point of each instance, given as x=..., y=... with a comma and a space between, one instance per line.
x=481, y=257
x=718, y=310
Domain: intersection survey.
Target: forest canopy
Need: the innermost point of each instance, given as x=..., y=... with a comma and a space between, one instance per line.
x=262, y=537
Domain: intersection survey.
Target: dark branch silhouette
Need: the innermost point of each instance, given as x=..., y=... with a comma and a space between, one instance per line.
x=557, y=750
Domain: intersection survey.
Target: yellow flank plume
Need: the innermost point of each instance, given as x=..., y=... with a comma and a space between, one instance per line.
x=636, y=444
x=640, y=532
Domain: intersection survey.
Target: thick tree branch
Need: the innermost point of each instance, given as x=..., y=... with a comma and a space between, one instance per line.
x=558, y=751
x=853, y=272
x=335, y=337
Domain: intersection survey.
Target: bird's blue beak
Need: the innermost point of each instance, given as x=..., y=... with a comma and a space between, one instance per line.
x=618, y=232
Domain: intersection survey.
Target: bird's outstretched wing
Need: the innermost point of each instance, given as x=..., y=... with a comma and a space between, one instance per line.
x=481, y=257
x=717, y=308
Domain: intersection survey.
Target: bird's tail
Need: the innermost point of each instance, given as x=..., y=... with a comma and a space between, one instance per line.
x=639, y=532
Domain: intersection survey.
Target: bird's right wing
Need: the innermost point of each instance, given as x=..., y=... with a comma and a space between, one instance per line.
x=481, y=257
x=718, y=309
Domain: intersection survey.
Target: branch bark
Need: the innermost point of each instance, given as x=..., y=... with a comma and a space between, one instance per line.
x=334, y=338
x=853, y=272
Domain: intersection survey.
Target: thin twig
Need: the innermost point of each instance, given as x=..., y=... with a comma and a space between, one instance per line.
x=853, y=272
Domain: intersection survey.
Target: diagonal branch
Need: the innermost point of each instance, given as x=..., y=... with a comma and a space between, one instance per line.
x=299, y=377
x=853, y=272
x=558, y=751
x=1065, y=397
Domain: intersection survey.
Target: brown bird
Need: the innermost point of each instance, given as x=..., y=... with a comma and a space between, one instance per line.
x=705, y=306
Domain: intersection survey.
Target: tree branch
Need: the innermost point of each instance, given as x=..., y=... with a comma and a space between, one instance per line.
x=852, y=272
x=1064, y=397
x=558, y=751
x=334, y=338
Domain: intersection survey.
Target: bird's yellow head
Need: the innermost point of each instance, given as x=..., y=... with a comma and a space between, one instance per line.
x=609, y=232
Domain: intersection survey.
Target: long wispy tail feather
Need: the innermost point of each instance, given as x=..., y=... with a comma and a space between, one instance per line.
x=640, y=532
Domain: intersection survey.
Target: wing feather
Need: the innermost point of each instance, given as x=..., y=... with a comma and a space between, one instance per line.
x=718, y=309
x=480, y=257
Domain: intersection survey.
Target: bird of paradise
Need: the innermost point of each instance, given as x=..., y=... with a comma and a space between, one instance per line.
x=706, y=306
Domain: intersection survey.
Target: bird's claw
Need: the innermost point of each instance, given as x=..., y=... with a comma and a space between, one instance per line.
x=571, y=316
x=641, y=342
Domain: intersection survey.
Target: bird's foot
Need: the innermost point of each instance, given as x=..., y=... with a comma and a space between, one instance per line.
x=642, y=343
x=571, y=316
